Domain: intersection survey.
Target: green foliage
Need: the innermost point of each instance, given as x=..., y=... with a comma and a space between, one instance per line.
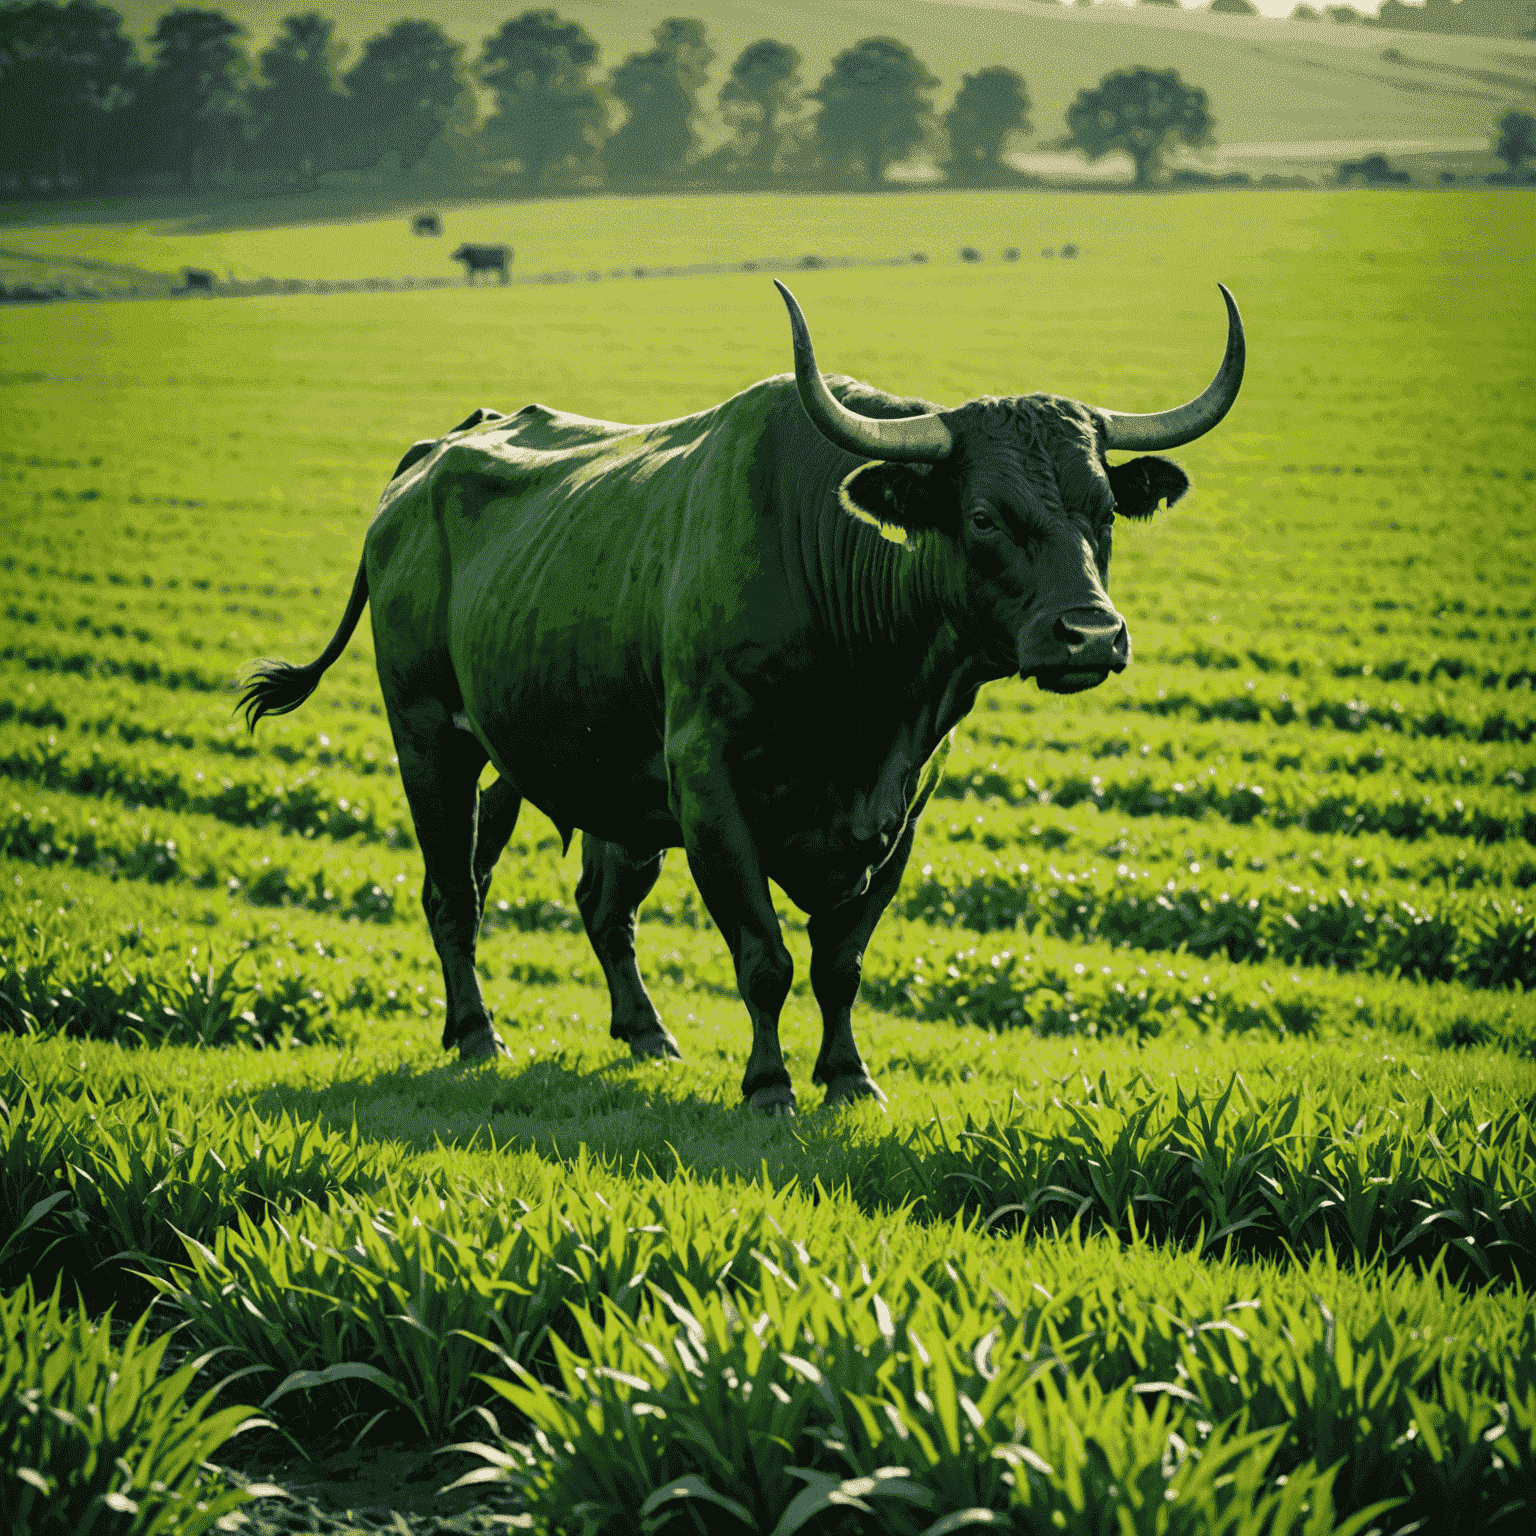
x=760, y=95
x=659, y=90
x=89, y=1185
x=1139, y=112
x=990, y=107
x=1516, y=141
x=402, y=92
x=93, y=1436
x=876, y=107
x=548, y=114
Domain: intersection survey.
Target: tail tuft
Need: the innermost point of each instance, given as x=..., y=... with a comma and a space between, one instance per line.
x=275, y=688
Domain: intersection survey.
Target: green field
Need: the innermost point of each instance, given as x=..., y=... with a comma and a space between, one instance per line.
x=1204, y=1199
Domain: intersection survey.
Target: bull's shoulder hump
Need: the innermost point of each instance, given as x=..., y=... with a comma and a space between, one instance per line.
x=542, y=427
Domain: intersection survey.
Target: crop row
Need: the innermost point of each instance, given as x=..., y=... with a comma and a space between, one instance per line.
x=1062, y=987
x=390, y=1303
x=1461, y=711
x=1486, y=941
x=1232, y=910
x=335, y=802
x=91, y=957
x=1010, y=724
x=1171, y=844
x=1491, y=655
x=1273, y=1170
x=1007, y=719
x=1334, y=804
x=337, y=799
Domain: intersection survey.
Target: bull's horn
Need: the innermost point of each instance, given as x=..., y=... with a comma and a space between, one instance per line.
x=910, y=439
x=1184, y=423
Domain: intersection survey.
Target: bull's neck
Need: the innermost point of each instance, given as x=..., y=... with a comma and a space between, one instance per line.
x=885, y=608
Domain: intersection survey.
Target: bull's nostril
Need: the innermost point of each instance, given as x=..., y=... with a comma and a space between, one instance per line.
x=1089, y=628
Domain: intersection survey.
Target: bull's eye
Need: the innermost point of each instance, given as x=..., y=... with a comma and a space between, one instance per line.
x=981, y=523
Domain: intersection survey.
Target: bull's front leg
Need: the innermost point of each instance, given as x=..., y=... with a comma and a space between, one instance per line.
x=722, y=853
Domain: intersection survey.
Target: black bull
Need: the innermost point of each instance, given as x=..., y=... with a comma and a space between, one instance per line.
x=483, y=258
x=747, y=633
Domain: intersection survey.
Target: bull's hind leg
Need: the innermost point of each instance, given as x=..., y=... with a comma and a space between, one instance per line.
x=837, y=939
x=497, y=820
x=612, y=886
x=440, y=769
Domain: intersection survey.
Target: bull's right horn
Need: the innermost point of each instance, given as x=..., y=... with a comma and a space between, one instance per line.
x=909, y=439
x=1184, y=423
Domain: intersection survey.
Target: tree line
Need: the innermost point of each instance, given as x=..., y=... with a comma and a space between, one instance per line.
x=84, y=111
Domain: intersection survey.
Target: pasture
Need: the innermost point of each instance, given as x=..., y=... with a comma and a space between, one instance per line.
x=1205, y=1195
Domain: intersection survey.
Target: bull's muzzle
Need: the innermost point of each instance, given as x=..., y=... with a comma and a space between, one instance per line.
x=1077, y=649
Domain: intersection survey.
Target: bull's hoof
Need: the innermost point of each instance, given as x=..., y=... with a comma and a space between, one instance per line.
x=851, y=1087
x=660, y=1044
x=774, y=1101
x=482, y=1044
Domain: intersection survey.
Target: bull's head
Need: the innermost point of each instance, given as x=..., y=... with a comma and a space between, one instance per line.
x=1022, y=492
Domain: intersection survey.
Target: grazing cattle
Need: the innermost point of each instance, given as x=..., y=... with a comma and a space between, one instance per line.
x=1068, y=251
x=195, y=280
x=426, y=224
x=747, y=633
x=483, y=258
x=969, y=253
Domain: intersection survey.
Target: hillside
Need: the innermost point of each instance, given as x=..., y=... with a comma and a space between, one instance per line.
x=1270, y=81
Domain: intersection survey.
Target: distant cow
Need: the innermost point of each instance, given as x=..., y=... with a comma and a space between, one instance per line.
x=426, y=224
x=1068, y=252
x=969, y=253
x=1011, y=254
x=483, y=258
x=197, y=280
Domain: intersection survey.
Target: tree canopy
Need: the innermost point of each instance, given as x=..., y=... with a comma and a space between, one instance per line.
x=65, y=71
x=1140, y=112
x=990, y=107
x=404, y=90
x=548, y=113
x=759, y=97
x=876, y=107
x=194, y=98
x=298, y=110
x=660, y=89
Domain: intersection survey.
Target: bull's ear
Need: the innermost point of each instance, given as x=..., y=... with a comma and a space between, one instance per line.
x=897, y=498
x=414, y=455
x=1142, y=483
x=477, y=417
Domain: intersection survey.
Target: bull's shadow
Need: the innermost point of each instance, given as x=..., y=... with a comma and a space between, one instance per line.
x=623, y=1111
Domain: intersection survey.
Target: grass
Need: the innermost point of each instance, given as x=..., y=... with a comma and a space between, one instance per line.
x=1207, y=988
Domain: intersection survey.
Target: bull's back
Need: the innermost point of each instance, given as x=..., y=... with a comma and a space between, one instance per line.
x=550, y=560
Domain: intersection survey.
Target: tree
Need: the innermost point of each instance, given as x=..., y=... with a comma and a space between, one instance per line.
x=761, y=94
x=660, y=91
x=298, y=108
x=194, y=108
x=404, y=91
x=1305, y=13
x=875, y=107
x=548, y=113
x=1141, y=112
x=1234, y=8
x=65, y=72
x=990, y=107
x=1516, y=142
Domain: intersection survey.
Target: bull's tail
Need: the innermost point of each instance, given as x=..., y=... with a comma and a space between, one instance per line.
x=276, y=687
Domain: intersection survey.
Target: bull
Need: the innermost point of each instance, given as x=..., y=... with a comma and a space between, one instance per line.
x=426, y=224
x=747, y=633
x=483, y=258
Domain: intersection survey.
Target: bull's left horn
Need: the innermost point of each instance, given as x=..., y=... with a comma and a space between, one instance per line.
x=910, y=439
x=1184, y=423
